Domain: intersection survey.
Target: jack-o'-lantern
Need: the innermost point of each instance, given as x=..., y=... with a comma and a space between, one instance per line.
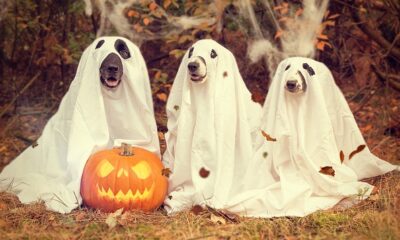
x=126, y=177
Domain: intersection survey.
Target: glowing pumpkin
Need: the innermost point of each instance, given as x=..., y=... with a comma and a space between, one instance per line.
x=126, y=177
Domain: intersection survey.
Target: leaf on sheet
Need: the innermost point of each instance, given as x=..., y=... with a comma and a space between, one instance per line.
x=169, y=197
x=341, y=156
x=166, y=172
x=35, y=144
x=265, y=154
x=225, y=74
x=327, y=170
x=197, y=209
x=176, y=107
x=204, y=173
x=359, y=149
x=268, y=137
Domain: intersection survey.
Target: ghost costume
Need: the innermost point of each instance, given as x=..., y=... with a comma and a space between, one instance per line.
x=302, y=172
x=210, y=126
x=90, y=117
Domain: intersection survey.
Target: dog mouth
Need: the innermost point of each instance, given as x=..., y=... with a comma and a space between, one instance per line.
x=196, y=78
x=111, y=82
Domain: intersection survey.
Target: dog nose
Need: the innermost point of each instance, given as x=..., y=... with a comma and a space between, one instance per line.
x=193, y=66
x=112, y=68
x=291, y=84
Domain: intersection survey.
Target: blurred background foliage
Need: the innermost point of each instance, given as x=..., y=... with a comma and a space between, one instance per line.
x=41, y=42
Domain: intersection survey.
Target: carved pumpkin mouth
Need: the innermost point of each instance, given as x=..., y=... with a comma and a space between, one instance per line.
x=125, y=197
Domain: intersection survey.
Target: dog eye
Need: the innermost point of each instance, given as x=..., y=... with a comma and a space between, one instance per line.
x=122, y=49
x=191, y=52
x=213, y=54
x=287, y=67
x=99, y=44
x=309, y=69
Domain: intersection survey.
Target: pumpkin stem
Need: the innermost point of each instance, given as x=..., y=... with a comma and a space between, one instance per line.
x=126, y=149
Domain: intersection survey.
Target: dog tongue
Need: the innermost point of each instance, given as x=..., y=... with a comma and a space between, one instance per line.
x=112, y=82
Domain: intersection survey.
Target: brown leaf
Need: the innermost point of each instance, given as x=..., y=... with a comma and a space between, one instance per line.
x=268, y=137
x=146, y=21
x=80, y=216
x=153, y=6
x=176, y=107
x=217, y=219
x=169, y=197
x=327, y=170
x=166, y=172
x=204, y=173
x=225, y=214
x=111, y=219
x=225, y=74
x=341, y=156
x=162, y=97
x=197, y=209
x=34, y=144
x=359, y=149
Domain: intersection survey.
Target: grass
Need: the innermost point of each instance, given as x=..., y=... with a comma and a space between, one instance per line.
x=375, y=218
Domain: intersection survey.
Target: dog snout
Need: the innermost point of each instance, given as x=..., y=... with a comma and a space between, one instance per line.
x=112, y=68
x=291, y=84
x=193, y=66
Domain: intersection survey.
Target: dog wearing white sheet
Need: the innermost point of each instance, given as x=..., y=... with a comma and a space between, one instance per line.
x=311, y=153
x=108, y=102
x=211, y=119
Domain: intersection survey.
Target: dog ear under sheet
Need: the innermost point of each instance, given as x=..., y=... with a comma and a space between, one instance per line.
x=311, y=153
x=94, y=114
x=211, y=118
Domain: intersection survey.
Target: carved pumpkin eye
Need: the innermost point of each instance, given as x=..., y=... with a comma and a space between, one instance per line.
x=213, y=54
x=105, y=168
x=142, y=170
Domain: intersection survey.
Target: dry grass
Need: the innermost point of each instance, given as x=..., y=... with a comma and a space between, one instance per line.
x=376, y=218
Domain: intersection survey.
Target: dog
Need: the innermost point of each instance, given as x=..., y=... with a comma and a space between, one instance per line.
x=295, y=81
x=111, y=69
x=197, y=66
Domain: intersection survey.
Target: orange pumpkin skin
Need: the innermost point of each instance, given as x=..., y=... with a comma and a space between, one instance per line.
x=111, y=181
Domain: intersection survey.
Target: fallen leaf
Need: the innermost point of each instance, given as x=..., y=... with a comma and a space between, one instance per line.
x=162, y=96
x=80, y=216
x=225, y=74
x=327, y=170
x=166, y=172
x=35, y=144
x=169, y=197
x=197, y=209
x=176, y=107
x=278, y=34
x=111, y=220
x=359, y=149
x=146, y=21
x=265, y=154
x=225, y=214
x=268, y=137
x=217, y=219
x=152, y=6
x=341, y=156
x=204, y=173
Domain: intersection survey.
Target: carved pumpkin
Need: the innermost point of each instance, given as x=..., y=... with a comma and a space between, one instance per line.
x=129, y=179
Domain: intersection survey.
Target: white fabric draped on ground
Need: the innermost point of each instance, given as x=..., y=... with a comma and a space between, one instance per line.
x=90, y=118
x=302, y=172
x=209, y=140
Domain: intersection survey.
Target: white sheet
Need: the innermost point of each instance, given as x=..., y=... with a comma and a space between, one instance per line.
x=209, y=126
x=90, y=118
x=310, y=130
